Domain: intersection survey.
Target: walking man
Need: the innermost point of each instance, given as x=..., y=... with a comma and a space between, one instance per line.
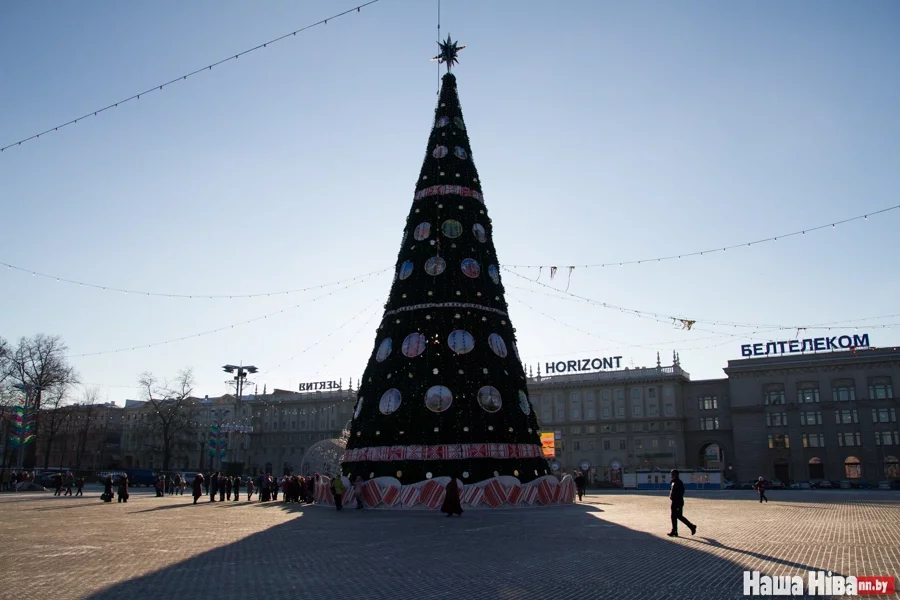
x=676, y=495
x=761, y=488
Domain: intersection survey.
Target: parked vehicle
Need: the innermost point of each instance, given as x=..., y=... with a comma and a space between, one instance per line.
x=801, y=485
x=776, y=484
x=824, y=485
x=727, y=485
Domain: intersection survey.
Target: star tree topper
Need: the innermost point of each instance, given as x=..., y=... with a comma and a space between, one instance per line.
x=449, y=50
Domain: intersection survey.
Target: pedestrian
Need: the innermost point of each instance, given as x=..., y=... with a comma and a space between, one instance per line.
x=676, y=495
x=123, y=488
x=579, y=485
x=236, y=487
x=451, y=505
x=197, y=486
x=160, y=486
x=358, y=491
x=79, y=485
x=337, y=490
x=70, y=481
x=760, y=486
x=58, y=482
x=107, y=489
x=273, y=487
x=213, y=486
x=4, y=480
x=228, y=485
x=249, y=489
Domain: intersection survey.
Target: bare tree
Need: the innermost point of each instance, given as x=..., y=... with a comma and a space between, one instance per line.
x=86, y=416
x=169, y=427
x=55, y=416
x=39, y=365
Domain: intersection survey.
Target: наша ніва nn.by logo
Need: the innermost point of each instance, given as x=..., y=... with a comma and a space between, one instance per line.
x=818, y=583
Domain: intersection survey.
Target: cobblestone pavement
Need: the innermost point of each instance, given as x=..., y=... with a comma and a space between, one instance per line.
x=612, y=546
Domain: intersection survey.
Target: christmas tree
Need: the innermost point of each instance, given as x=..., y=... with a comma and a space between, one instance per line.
x=444, y=392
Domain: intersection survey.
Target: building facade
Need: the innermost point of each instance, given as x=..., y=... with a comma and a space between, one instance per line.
x=285, y=424
x=830, y=415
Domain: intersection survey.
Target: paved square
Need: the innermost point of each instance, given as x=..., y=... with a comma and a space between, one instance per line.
x=612, y=546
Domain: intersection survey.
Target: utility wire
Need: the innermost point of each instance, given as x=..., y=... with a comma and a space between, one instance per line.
x=218, y=329
x=158, y=88
x=110, y=288
x=711, y=250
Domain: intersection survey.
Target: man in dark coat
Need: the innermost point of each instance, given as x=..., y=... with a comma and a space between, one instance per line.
x=197, y=486
x=236, y=487
x=228, y=487
x=761, y=488
x=123, y=488
x=451, y=504
x=676, y=495
x=213, y=486
x=579, y=485
x=221, y=486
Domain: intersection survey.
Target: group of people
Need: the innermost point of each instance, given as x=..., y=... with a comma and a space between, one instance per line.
x=70, y=482
x=293, y=488
x=121, y=488
x=10, y=480
x=171, y=485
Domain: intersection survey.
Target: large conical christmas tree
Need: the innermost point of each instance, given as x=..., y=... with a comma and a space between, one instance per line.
x=444, y=392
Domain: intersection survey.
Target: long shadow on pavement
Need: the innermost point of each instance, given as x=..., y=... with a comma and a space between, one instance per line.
x=563, y=552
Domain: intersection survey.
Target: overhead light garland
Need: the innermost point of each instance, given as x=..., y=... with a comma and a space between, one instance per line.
x=159, y=88
x=218, y=329
x=553, y=268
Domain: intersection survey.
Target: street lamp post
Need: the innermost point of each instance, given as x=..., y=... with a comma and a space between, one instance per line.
x=240, y=377
x=27, y=388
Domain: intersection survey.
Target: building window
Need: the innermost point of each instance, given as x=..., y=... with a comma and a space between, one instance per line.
x=620, y=411
x=880, y=388
x=546, y=413
x=846, y=417
x=707, y=403
x=606, y=444
x=779, y=440
x=810, y=418
x=575, y=430
x=637, y=410
x=774, y=397
x=560, y=411
x=709, y=423
x=887, y=438
x=654, y=443
x=776, y=419
x=636, y=393
x=670, y=410
x=852, y=468
x=621, y=427
x=592, y=429
x=843, y=391
x=592, y=445
x=654, y=426
x=671, y=442
x=884, y=415
x=651, y=393
x=652, y=410
x=604, y=395
x=575, y=406
x=620, y=394
x=638, y=444
x=606, y=412
x=576, y=445
x=668, y=391
x=606, y=429
x=590, y=406
x=637, y=426
x=848, y=438
x=807, y=393
x=813, y=440
x=621, y=444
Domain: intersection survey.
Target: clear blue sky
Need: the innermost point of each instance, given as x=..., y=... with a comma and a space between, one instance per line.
x=602, y=131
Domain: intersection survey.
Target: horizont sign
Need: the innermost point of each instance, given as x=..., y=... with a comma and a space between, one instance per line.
x=820, y=344
x=584, y=364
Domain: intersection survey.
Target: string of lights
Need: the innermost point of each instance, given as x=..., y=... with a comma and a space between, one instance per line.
x=775, y=238
x=353, y=338
x=688, y=323
x=218, y=329
x=159, y=88
x=320, y=340
x=110, y=288
x=619, y=344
